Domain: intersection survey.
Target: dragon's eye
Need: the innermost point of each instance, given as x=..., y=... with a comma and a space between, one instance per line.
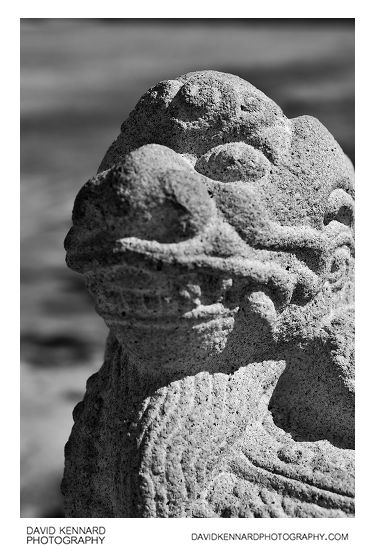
x=233, y=162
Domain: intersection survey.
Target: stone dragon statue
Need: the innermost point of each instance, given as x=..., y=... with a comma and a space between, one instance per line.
x=217, y=242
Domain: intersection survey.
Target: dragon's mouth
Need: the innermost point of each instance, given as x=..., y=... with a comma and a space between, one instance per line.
x=136, y=280
x=145, y=288
x=146, y=281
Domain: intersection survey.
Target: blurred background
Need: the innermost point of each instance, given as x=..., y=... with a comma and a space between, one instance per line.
x=79, y=80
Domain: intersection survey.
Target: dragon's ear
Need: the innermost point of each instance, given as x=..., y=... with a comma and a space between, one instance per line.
x=339, y=214
x=340, y=207
x=339, y=268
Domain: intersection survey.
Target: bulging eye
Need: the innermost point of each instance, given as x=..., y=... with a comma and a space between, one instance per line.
x=233, y=162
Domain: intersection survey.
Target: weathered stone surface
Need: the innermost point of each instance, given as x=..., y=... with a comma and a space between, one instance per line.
x=217, y=241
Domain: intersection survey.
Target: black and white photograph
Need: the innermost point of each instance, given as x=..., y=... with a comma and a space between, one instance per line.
x=187, y=276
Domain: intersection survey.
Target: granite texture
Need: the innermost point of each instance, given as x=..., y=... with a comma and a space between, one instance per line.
x=217, y=242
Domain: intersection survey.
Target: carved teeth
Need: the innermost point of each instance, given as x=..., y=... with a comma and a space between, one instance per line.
x=213, y=296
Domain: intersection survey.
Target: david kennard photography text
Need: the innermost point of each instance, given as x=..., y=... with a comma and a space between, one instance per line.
x=65, y=534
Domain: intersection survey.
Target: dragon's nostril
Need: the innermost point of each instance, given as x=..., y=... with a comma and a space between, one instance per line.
x=168, y=207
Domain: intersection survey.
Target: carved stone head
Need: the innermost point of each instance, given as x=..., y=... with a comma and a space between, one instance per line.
x=212, y=213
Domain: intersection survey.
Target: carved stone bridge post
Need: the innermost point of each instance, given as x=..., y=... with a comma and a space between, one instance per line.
x=217, y=242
